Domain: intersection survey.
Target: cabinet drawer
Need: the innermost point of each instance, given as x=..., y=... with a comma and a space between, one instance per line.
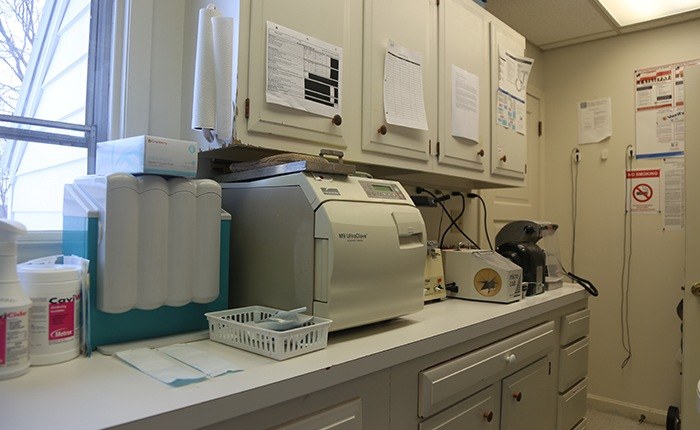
x=480, y=411
x=450, y=382
x=572, y=406
x=574, y=326
x=573, y=363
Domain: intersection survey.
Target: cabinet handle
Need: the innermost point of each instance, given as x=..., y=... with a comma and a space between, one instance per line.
x=488, y=416
x=695, y=289
x=481, y=153
x=382, y=130
x=337, y=119
x=518, y=396
x=511, y=358
x=503, y=159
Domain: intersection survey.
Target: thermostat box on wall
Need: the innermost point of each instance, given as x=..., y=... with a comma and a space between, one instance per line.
x=147, y=155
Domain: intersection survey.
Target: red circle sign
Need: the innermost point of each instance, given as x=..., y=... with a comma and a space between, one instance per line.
x=642, y=193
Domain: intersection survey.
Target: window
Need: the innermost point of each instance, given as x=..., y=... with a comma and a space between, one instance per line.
x=54, y=67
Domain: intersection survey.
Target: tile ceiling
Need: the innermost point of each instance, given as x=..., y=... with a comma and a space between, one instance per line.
x=552, y=24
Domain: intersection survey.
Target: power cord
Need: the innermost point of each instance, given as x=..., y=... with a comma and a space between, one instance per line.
x=575, y=160
x=626, y=265
x=439, y=201
x=454, y=222
x=486, y=225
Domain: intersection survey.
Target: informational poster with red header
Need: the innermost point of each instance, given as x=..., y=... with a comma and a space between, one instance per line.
x=643, y=190
x=660, y=110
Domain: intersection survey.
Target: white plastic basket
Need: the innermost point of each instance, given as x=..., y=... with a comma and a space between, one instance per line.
x=230, y=327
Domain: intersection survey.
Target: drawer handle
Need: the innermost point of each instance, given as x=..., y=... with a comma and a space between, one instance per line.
x=481, y=153
x=503, y=159
x=488, y=416
x=382, y=130
x=337, y=119
x=518, y=396
x=510, y=359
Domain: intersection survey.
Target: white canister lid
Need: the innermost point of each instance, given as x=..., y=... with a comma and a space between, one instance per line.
x=47, y=273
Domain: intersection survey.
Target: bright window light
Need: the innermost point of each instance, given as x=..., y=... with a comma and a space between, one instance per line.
x=628, y=12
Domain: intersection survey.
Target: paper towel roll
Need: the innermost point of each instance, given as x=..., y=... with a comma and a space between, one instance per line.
x=222, y=28
x=204, y=94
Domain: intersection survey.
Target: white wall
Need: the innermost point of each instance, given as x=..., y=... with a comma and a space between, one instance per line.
x=605, y=69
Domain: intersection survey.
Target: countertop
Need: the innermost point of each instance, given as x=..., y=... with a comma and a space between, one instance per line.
x=102, y=391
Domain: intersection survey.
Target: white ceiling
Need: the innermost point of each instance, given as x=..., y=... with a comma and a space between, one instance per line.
x=552, y=24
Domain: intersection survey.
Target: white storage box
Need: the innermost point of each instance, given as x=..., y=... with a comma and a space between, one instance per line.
x=147, y=155
x=230, y=327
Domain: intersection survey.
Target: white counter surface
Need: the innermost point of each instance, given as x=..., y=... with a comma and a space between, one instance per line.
x=102, y=391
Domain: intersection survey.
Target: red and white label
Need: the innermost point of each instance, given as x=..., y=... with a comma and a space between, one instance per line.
x=61, y=320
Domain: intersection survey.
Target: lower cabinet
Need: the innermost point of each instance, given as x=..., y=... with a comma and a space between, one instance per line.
x=479, y=411
x=526, y=398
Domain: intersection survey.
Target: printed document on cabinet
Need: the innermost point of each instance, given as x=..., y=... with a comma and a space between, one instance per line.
x=403, y=87
x=465, y=104
x=303, y=73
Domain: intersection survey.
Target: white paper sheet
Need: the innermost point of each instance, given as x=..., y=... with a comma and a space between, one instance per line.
x=673, y=176
x=465, y=104
x=594, y=120
x=403, y=88
x=513, y=73
x=303, y=73
x=510, y=112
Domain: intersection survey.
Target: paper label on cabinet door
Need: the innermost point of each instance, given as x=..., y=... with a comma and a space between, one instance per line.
x=302, y=72
x=403, y=88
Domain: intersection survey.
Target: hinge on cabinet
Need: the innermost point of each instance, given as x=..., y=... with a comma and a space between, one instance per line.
x=539, y=128
x=247, y=108
x=437, y=148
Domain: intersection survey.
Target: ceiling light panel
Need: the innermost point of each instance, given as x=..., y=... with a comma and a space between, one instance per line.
x=628, y=12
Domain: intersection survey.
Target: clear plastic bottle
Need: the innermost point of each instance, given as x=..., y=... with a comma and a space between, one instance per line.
x=14, y=306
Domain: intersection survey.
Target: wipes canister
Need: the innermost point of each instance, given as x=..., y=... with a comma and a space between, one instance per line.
x=54, y=317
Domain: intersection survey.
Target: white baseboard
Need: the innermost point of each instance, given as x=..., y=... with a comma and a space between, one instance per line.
x=630, y=410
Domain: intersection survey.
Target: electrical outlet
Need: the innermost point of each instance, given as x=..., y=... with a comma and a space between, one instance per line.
x=454, y=213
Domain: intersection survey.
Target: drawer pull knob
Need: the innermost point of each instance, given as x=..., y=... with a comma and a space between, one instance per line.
x=337, y=119
x=518, y=396
x=503, y=159
x=511, y=358
x=382, y=130
x=488, y=416
x=481, y=153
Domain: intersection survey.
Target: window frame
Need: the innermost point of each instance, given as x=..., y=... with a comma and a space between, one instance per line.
x=97, y=105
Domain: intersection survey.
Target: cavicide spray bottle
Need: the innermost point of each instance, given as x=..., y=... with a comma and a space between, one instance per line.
x=14, y=306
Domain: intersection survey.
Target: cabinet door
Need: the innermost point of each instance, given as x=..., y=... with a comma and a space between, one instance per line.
x=463, y=85
x=302, y=72
x=527, y=399
x=479, y=411
x=508, y=146
x=412, y=25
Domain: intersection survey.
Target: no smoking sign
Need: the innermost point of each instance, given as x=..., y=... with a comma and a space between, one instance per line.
x=643, y=186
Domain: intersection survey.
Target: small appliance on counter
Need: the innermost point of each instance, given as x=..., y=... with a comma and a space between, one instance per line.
x=533, y=246
x=434, y=274
x=349, y=248
x=483, y=275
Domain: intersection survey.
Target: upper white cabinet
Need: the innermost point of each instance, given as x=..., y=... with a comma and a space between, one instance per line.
x=312, y=57
x=398, y=70
x=464, y=132
x=416, y=85
x=508, y=146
